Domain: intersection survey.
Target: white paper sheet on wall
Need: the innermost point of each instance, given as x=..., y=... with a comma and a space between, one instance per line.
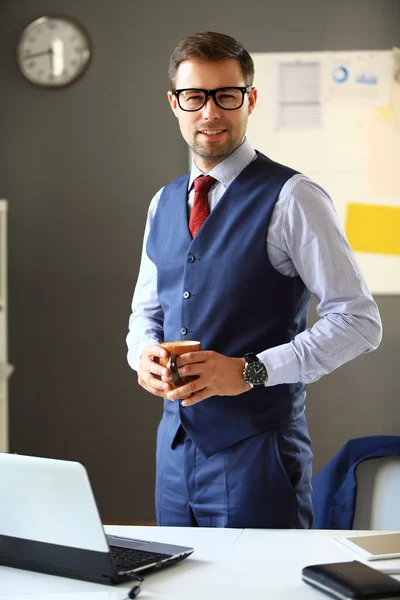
x=298, y=99
x=360, y=77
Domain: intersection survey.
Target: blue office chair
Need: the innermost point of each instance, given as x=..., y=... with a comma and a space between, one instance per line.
x=354, y=489
x=378, y=493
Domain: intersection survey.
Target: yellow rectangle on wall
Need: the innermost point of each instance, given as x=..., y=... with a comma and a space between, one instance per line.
x=373, y=228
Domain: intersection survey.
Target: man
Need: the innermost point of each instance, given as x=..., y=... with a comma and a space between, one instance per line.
x=233, y=448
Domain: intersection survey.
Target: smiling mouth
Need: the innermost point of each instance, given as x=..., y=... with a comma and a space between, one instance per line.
x=211, y=131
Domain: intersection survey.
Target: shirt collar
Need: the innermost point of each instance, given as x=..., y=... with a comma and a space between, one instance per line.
x=228, y=169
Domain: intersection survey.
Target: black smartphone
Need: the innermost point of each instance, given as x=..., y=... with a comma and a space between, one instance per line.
x=352, y=580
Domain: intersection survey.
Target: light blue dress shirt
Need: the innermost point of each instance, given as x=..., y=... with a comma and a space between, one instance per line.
x=304, y=238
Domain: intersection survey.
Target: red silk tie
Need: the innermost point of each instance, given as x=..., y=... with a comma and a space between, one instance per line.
x=200, y=210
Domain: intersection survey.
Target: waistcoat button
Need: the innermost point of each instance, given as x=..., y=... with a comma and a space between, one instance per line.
x=190, y=258
x=186, y=295
x=183, y=330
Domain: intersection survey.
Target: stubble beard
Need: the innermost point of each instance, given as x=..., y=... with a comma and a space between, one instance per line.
x=216, y=151
x=213, y=153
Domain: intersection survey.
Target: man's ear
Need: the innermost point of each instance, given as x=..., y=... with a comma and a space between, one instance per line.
x=252, y=99
x=173, y=103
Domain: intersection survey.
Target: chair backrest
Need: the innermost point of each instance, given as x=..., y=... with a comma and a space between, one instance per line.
x=378, y=494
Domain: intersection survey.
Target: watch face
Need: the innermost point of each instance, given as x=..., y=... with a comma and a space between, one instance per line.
x=256, y=373
x=53, y=51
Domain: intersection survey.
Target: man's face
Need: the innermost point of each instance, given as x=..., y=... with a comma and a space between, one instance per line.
x=212, y=132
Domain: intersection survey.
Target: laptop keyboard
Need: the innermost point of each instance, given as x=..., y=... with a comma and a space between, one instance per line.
x=128, y=559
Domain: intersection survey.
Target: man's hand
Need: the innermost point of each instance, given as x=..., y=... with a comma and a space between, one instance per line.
x=150, y=372
x=217, y=375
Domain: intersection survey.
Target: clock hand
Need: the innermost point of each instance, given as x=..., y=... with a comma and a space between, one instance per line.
x=29, y=56
x=51, y=58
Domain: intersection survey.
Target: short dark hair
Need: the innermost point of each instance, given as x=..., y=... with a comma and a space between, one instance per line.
x=210, y=46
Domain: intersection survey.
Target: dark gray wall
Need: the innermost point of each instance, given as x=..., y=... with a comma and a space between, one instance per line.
x=79, y=167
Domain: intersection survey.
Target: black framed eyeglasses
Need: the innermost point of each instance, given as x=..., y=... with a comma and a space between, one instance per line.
x=227, y=98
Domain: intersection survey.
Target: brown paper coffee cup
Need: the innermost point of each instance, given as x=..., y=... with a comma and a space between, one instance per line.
x=175, y=348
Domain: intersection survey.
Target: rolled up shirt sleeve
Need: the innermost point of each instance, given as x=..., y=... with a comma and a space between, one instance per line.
x=306, y=239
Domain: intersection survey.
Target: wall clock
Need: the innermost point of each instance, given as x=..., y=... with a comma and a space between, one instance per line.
x=53, y=51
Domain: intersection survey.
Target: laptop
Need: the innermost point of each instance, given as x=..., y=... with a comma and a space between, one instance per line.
x=49, y=522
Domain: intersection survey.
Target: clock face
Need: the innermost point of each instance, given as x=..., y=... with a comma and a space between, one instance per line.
x=53, y=51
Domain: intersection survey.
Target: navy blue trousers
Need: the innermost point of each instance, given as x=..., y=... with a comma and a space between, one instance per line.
x=263, y=481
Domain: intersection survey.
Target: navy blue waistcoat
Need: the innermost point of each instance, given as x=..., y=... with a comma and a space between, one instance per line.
x=220, y=288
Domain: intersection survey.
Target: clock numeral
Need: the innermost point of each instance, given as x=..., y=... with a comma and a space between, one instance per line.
x=32, y=40
x=31, y=65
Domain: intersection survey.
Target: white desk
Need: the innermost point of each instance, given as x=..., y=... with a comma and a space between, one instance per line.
x=231, y=564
